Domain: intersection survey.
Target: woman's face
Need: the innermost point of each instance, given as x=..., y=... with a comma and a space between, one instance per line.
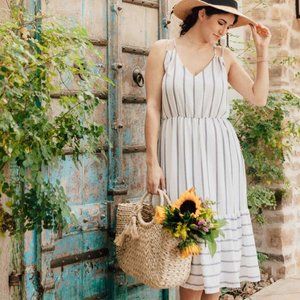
x=215, y=26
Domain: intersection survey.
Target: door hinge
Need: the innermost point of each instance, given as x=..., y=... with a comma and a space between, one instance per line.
x=14, y=279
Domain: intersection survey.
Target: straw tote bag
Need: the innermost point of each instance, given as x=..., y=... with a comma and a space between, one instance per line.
x=144, y=249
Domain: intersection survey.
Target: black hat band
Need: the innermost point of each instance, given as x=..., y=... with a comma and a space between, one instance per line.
x=230, y=3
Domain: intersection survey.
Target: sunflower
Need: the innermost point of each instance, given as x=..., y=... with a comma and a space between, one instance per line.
x=188, y=202
x=160, y=214
x=191, y=249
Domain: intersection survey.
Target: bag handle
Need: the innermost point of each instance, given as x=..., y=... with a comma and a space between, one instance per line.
x=162, y=194
x=163, y=198
x=131, y=228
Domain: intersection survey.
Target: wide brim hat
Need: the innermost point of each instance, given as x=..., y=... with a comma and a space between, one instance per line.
x=184, y=7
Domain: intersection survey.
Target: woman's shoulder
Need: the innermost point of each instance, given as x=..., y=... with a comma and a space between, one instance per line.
x=224, y=51
x=157, y=53
x=161, y=45
x=158, y=49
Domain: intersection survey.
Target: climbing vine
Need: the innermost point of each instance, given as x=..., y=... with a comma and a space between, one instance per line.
x=38, y=59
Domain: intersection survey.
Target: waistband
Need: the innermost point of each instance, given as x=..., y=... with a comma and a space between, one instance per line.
x=194, y=117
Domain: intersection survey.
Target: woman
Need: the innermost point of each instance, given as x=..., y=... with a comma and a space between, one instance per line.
x=195, y=144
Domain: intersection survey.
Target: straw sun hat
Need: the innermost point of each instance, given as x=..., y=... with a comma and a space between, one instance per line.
x=184, y=7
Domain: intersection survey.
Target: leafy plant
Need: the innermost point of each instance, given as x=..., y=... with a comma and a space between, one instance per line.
x=260, y=197
x=262, y=257
x=35, y=129
x=266, y=138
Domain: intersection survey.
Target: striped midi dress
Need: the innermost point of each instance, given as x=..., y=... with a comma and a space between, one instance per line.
x=198, y=146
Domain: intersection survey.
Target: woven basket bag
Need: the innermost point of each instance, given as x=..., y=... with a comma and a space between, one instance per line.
x=145, y=250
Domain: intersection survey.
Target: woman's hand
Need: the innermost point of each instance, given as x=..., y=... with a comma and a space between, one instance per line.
x=261, y=36
x=155, y=179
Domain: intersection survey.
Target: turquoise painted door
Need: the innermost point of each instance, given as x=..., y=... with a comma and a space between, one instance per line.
x=81, y=264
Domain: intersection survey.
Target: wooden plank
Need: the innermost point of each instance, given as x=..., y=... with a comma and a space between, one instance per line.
x=135, y=169
x=145, y=3
x=80, y=281
x=77, y=258
x=79, y=242
x=142, y=30
x=88, y=13
x=134, y=119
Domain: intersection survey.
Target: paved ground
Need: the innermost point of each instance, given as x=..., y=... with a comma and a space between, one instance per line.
x=282, y=289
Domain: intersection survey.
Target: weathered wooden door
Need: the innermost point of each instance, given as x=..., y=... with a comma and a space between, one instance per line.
x=81, y=264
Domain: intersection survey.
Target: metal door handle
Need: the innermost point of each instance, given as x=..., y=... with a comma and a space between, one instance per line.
x=138, y=77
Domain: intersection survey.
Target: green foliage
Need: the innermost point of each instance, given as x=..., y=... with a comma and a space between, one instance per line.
x=260, y=197
x=262, y=257
x=265, y=136
x=35, y=129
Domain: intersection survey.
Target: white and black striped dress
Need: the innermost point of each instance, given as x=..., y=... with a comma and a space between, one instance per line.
x=198, y=146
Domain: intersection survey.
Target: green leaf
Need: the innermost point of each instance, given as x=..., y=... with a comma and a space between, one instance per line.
x=212, y=247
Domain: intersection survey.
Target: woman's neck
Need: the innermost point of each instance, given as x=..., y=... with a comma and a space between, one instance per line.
x=195, y=39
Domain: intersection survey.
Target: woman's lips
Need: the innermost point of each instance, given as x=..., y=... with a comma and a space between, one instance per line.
x=217, y=36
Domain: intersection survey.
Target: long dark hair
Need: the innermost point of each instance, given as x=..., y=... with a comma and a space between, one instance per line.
x=191, y=19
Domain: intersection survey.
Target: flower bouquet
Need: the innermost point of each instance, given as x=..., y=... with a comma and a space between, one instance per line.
x=192, y=221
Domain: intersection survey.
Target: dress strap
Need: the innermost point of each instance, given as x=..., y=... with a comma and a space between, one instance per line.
x=222, y=50
x=214, y=47
x=174, y=43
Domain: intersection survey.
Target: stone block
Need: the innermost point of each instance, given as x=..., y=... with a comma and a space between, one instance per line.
x=280, y=1
x=287, y=13
x=273, y=238
x=280, y=272
x=279, y=72
x=297, y=256
x=258, y=240
x=278, y=217
x=296, y=25
x=276, y=12
x=259, y=13
x=280, y=34
x=288, y=236
x=286, y=271
x=293, y=165
x=271, y=267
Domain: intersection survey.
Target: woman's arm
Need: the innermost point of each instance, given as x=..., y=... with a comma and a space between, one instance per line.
x=153, y=78
x=255, y=92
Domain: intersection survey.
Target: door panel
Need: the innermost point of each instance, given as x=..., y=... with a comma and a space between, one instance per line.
x=134, y=119
x=135, y=171
x=139, y=23
x=89, y=13
x=133, y=57
x=80, y=263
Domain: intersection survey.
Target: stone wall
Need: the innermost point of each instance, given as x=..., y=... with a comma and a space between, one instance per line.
x=280, y=17
x=279, y=237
